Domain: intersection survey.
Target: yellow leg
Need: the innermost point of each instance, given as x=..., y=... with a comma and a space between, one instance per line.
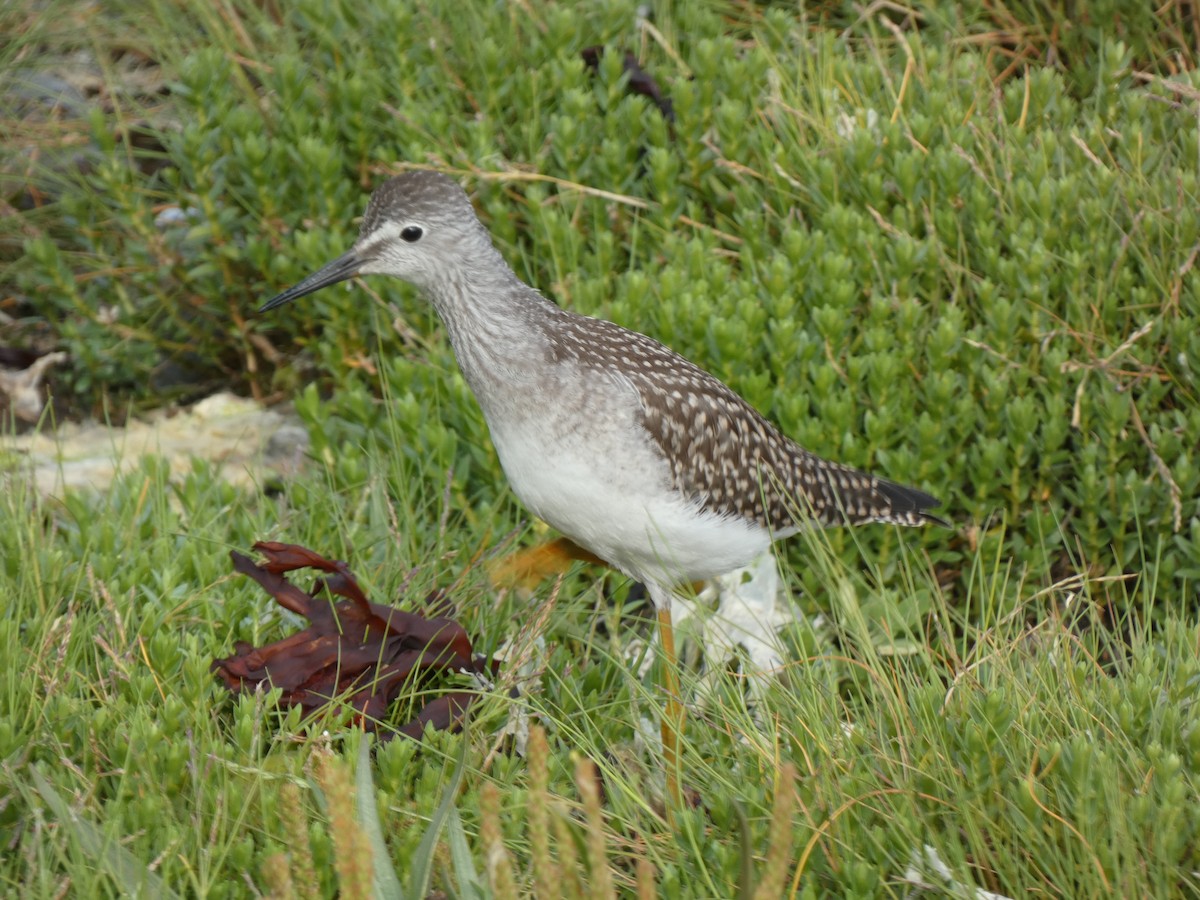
x=525, y=568
x=673, y=715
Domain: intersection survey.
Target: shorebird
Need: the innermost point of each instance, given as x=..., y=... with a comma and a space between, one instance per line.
x=632, y=451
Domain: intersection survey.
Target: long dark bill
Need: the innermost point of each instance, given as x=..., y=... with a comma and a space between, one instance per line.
x=344, y=267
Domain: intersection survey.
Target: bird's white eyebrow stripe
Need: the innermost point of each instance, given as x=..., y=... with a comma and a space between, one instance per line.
x=386, y=231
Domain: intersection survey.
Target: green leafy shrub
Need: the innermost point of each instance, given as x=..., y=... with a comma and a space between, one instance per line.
x=981, y=286
x=985, y=293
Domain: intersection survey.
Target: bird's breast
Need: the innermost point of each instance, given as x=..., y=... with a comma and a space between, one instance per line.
x=578, y=458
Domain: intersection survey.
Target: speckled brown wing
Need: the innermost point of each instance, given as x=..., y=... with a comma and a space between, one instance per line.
x=724, y=454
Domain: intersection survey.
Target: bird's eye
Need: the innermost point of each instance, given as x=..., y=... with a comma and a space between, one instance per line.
x=411, y=233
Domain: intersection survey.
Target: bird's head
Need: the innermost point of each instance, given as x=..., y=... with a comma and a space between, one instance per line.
x=419, y=226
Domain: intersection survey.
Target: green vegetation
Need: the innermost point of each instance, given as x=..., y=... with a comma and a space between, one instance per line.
x=955, y=247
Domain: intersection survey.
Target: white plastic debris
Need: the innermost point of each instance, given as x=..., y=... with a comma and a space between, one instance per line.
x=847, y=124
x=750, y=611
x=23, y=387
x=530, y=664
x=174, y=216
x=745, y=609
x=928, y=872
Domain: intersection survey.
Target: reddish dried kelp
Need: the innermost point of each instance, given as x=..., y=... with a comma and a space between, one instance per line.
x=360, y=652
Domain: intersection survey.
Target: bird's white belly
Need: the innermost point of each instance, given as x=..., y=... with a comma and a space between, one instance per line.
x=605, y=485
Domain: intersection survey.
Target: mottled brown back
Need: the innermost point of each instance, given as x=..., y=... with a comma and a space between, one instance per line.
x=721, y=451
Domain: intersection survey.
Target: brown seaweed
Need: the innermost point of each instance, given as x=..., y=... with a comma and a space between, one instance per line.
x=353, y=651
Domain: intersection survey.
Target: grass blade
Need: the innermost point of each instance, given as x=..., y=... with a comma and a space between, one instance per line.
x=469, y=886
x=131, y=875
x=387, y=883
x=422, y=870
